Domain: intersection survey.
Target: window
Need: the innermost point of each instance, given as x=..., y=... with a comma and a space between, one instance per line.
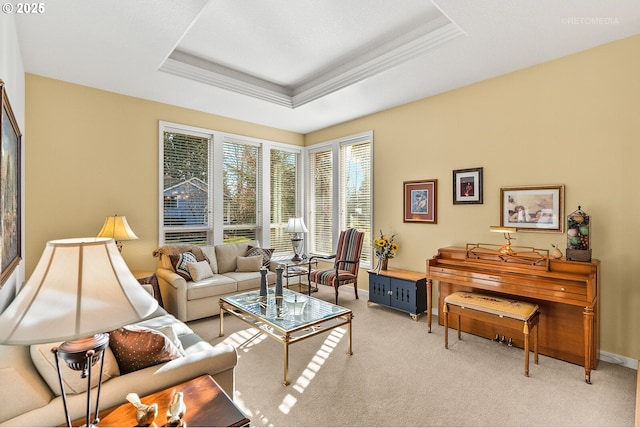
x=219, y=187
x=185, y=191
x=340, y=194
x=284, y=196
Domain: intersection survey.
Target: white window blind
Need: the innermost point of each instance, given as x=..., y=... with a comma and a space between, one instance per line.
x=355, y=191
x=321, y=202
x=241, y=194
x=284, y=196
x=186, y=202
x=340, y=193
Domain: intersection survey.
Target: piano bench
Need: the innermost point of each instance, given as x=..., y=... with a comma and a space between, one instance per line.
x=494, y=310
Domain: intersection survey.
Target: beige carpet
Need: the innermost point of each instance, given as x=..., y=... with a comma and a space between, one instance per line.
x=399, y=375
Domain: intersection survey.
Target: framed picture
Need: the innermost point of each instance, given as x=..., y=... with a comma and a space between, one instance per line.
x=420, y=201
x=10, y=245
x=467, y=186
x=533, y=208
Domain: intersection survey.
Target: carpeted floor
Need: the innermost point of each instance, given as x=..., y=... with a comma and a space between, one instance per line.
x=399, y=375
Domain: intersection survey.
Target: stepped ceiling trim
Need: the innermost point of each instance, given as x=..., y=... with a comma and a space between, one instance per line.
x=401, y=49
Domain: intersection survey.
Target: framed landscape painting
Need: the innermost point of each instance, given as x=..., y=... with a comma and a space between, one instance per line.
x=533, y=208
x=10, y=245
x=420, y=198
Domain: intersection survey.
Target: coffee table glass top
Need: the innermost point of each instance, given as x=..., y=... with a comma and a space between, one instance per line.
x=294, y=311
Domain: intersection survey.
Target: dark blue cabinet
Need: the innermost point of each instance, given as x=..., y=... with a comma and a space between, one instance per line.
x=399, y=289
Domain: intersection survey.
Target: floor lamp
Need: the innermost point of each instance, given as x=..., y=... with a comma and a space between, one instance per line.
x=80, y=289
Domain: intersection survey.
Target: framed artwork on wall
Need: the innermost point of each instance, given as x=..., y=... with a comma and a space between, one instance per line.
x=467, y=186
x=10, y=243
x=533, y=208
x=420, y=199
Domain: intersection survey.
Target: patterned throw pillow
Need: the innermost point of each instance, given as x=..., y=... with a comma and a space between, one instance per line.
x=136, y=347
x=180, y=264
x=264, y=252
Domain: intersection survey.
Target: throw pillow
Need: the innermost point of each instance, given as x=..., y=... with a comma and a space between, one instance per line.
x=44, y=361
x=200, y=270
x=264, y=252
x=180, y=263
x=210, y=252
x=137, y=347
x=170, y=331
x=249, y=264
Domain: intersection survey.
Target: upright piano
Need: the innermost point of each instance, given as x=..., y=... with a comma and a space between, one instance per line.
x=566, y=292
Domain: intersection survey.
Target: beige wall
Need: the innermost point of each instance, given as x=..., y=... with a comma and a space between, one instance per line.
x=574, y=121
x=94, y=154
x=571, y=121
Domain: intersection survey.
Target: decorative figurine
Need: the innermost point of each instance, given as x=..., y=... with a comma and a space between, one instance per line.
x=176, y=411
x=145, y=413
x=279, y=271
x=263, y=281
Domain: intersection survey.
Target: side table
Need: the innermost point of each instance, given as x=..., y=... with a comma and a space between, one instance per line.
x=207, y=406
x=149, y=277
x=296, y=269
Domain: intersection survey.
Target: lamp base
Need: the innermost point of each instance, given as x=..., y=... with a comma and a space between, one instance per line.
x=81, y=355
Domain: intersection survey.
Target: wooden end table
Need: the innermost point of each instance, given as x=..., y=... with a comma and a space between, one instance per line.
x=207, y=405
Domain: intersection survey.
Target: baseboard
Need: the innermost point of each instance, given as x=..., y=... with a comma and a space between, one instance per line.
x=604, y=356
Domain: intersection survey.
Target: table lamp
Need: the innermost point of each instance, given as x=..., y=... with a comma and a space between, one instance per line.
x=80, y=289
x=117, y=227
x=505, y=250
x=297, y=227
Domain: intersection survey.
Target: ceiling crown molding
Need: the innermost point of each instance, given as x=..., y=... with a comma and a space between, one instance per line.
x=403, y=48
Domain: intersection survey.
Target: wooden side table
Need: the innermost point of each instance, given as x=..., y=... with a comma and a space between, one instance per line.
x=207, y=406
x=149, y=277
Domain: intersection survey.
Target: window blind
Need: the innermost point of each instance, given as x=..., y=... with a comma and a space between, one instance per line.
x=321, y=202
x=241, y=163
x=284, y=196
x=186, y=202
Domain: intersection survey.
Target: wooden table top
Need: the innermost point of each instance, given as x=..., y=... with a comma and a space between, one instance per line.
x=207, y=405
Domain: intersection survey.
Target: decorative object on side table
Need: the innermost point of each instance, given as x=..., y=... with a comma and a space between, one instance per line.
x=385, y=249
x=176, y=410
x=297, y=227
x=467, y=186
x=145, y=413
x=578, y=236
x=420, y=199
x=86, y=271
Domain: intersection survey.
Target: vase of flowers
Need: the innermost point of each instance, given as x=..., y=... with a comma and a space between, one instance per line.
x=385, y=248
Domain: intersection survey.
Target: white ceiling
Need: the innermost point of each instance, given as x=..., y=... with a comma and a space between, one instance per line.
x=303, y=65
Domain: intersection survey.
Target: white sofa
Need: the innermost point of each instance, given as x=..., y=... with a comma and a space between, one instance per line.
x=231, y=273
x=26, y=399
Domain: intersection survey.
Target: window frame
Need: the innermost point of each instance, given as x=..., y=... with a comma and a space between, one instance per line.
x=215, y=234
x=338, y=210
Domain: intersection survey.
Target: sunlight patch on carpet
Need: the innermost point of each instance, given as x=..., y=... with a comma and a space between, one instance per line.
x=244, y=340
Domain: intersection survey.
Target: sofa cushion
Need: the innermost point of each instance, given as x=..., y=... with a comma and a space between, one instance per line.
x=264, y=252
x=137, y=347
x=181, y=263
x=44, y=361
x=200, y=270
x=249, y=264
x=210, y=252
x=210, y=287
x=250, y=280
x=226, y=254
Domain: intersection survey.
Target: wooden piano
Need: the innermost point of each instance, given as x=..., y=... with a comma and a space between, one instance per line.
x=567, y=293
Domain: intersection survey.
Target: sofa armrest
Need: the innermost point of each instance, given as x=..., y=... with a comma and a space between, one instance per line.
x=173, y=288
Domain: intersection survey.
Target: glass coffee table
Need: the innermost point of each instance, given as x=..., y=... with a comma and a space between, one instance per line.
x=289, y=318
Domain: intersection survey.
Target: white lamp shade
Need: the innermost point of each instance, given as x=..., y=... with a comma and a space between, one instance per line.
x=117, y=227
x=80, y=287
x=296, y=225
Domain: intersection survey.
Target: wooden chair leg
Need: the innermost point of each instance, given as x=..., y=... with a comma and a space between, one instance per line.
x=355, y=288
